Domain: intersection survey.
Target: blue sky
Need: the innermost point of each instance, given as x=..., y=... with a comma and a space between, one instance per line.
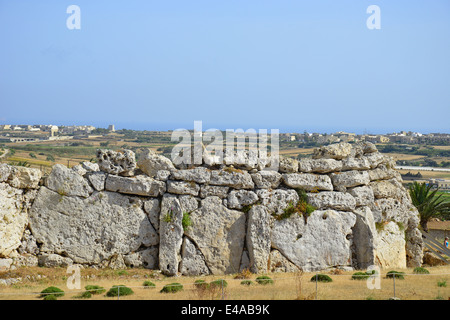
x=288, y=65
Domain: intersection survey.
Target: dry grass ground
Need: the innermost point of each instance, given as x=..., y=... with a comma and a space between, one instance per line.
x=286, y=286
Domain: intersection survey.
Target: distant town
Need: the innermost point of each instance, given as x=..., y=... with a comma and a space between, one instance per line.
x=24, y=133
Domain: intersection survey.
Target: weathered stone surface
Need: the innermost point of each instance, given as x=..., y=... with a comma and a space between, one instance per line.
x=365, y=239
x=53, y=260
x=28, y=244
x=150, y=162
x=98, y=180
x=299, y=241
x=122, y=162
x=139, y=185
x=79, y=170
x=24, y=178
x=258, y=238
x=90, y=230
x=5, y=264
x=395, y=210
x=277, y=200
x=383, y=173
x=266, y=179
x=90, y=167
x=366, y=147
x=348, y=179
x=26, y=260
x=188, y=203
x=67, y=182
x=162, y=175
x=198, y=175
x=288, y=165
x=183, y=187
x=391, y=252
x=319, y=165
x=152, y=208
x=219, y=233
x=387, y=189
x=363, y=195
x=193, y=263
x=414, y=248
x=336, y=151
x=351, y=163
x=237, y=199
x=5, y=172
x=230, y=177
x=332, y=200
x=209, y=191
x=147, y=258
x=171, y=234
x=13, y=218
x=308, y=181
x=279, y=263
x=375, y=159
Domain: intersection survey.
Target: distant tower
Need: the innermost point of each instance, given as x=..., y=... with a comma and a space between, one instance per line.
x=111, y=128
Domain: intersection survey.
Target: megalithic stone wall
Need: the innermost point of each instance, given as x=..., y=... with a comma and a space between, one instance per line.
x=345, y=207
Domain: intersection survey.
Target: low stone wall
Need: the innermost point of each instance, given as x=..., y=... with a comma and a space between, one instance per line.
x=345, y=207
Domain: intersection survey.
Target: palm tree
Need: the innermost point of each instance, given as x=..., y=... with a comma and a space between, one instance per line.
x=427, y=202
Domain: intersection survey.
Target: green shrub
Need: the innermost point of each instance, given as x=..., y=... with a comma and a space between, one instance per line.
x=201, y=284
x=186, y=222
x=264, y=280
x=86, y=295
x=218, y=283
x=149, y=284
x=442, y=283
x=420, y=270
x=57, y=292
x=172, y=288
x=246, y=282
x=361, y=276
x=50, y=297
x=321, y=278
x=119, y=290
x=398, y=275
x=93, y=289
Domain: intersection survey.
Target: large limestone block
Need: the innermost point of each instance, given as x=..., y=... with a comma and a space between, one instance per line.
x=147, y=258
x=348, y=179
x=209, y=191
x=384, y=173
x=90, y=230
x=192, y=263
x=287, y=165
x=365, y=239
x=308, y=181
x=198, y=175
x=279, y=263
x=67, y=182
x=363, y=195
x=258, y=238
x=24, y=178
x=319, y=165
x=230, y=177
x=391, y=248
x=332, y=200
x=336, y=151
x=13, y=218
x=183, y=187
x=122, y=162
x=139, y=185
x=325, y=240
x=97, y=179
x=150, y=162
x=153, y=207
x=219, y=233
x=5, y=172
x=266, y=179
x=237, y=199
x=387, y=189
x=171, y=234
x=276, y=200
x=351, y=163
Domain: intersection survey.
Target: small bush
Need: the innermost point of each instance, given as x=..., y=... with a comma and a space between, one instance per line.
x=264, y=280
x=50, y=297
x=93, y=289
x=218, y=283
x=421, y=270
x=246, y=282
x=201, y=284
x=119, y=290
x=398, y=275
x=321, y=278
x=362, y=275
x=442, y=284
x=149, y=284
x=186, y=222
x=86, y=295
x=55, y=291
x=172, y=288
x=244, y=274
